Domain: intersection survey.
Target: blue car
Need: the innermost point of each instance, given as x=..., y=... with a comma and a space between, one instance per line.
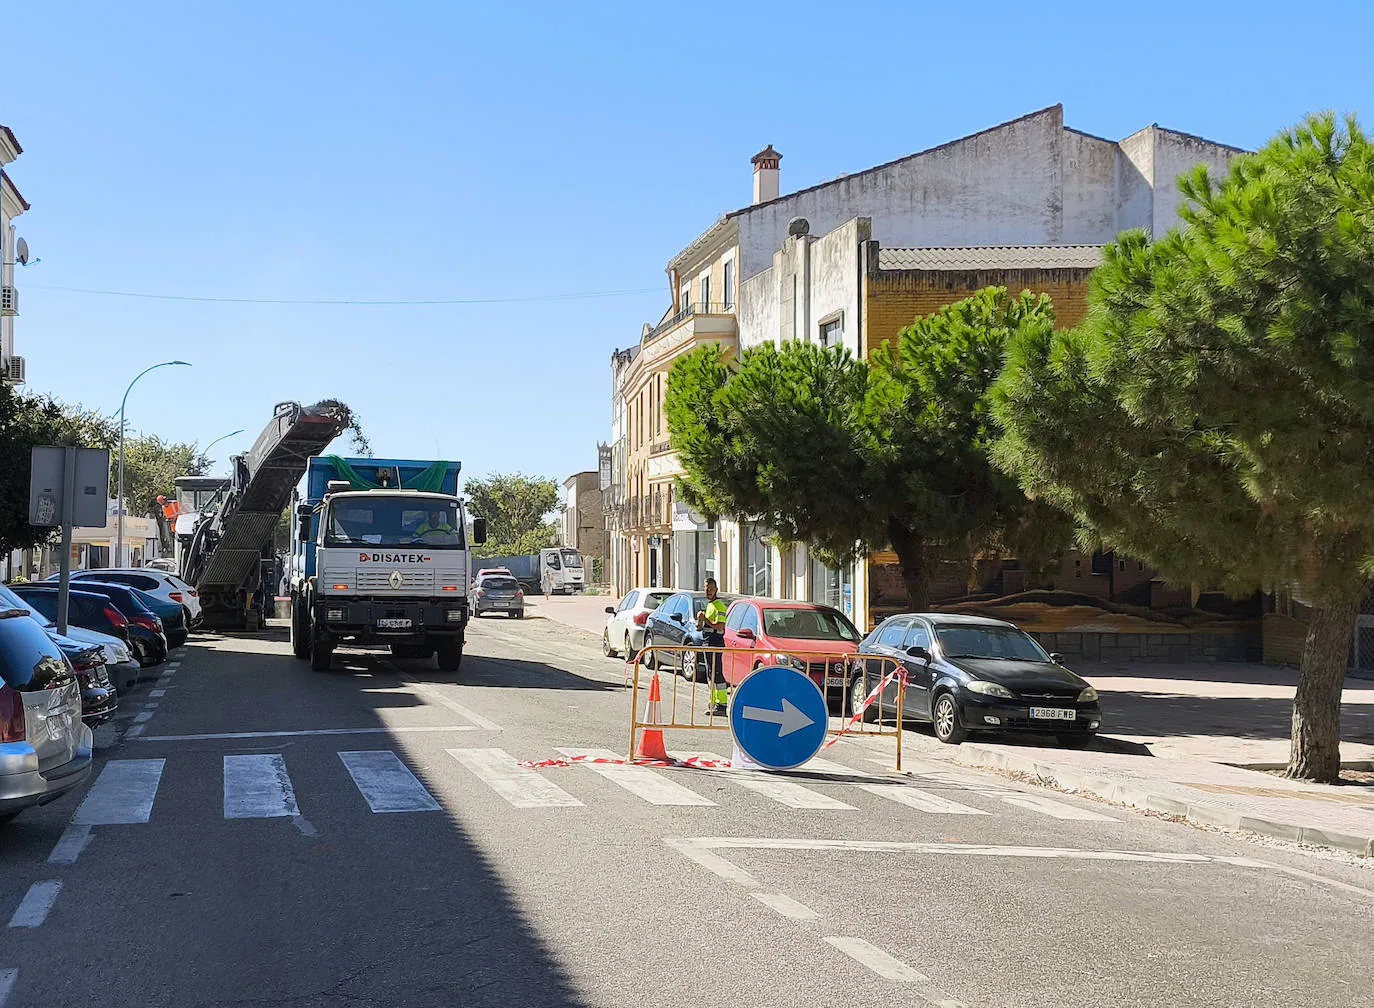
x=674, y=625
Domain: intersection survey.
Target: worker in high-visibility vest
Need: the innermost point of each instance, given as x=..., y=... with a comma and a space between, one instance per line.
x=711, y=623
x=170, y=509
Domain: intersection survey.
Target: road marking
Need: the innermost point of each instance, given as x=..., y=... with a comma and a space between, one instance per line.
x=135, y=732
x=386, y=783
x=819, y=765
x=786, y=906
x=70, y=845
x=890, y=968
x=33, y=908
x=7, y=979
x=256, y=786
x=694, y=850
x=905, y=794
x=314, y=731
x=1050, y=807
x=143, y=716
x=437, y=696
x=639, y=781
x=784, y=792
x=123, y=793
x=157, y=693
x=522, y=787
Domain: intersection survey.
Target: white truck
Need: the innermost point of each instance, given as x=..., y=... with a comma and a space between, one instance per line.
x=381, y=555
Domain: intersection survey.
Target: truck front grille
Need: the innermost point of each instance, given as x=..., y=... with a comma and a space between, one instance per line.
x=373, y=580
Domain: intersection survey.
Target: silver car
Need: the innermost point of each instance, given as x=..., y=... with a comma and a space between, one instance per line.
x=45, y=750
x=497, y=593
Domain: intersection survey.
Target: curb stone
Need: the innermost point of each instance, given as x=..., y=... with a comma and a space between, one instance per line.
x=1155, y=799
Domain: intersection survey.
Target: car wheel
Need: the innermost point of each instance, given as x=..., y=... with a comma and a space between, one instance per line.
x=688, y=666
x=1075, y=741
x=606, y=648
x=945, y=717
x=858, y=693
x=628, y=651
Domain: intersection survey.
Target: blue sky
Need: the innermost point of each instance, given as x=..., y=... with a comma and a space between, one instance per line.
x=439, y=151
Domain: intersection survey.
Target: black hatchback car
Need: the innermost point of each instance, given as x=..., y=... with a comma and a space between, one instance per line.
x=674, y=624
x=971, y=673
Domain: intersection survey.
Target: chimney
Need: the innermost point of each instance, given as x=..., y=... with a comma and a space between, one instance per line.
x=765, y=174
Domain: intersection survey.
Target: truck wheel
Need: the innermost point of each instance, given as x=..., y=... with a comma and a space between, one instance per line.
x=321, y=657
x=449, y=654
x=300, y=636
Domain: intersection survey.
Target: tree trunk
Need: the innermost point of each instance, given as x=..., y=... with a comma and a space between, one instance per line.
x=1315, y=751
x=911, y=555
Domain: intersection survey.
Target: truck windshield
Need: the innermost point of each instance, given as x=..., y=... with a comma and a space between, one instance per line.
x=572, y=559
x=395, y=521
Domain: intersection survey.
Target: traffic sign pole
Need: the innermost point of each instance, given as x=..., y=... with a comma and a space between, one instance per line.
x=64, y=576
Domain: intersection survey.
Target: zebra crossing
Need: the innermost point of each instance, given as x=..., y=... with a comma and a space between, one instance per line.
x=259, y=786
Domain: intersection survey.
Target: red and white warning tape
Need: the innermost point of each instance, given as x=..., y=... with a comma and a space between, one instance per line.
x=896, y=674
x=699, y=762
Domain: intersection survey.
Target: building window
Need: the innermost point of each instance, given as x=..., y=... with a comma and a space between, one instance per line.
x=706, y=293
x=832, y=587
x=756, y=562
x=729, y=291
x=685, y=300
x=832, y=332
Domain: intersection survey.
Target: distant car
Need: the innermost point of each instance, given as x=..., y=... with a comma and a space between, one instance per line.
x=120, y=665
x=971, y=673
x=134, y=602
x=809, y=637
x=165, y=564
x=99, y=612
x=45, y=750
x=674, y=624
x=162, y=584
x=624, y=632
x=497, y=593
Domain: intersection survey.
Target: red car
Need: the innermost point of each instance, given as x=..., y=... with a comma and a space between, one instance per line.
x=811, y=638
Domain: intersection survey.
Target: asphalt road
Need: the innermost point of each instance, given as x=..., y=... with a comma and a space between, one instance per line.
x=271, y=835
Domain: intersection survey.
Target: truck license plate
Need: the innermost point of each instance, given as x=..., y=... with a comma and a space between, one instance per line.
x=393, y=624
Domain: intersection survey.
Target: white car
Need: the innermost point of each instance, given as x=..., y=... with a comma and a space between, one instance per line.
x=165, y=586
x=624, y=633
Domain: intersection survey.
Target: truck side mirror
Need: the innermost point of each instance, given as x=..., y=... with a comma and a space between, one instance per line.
x=479, y=531
x=303, y=524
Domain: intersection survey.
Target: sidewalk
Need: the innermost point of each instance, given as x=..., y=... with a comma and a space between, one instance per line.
x=581, y=612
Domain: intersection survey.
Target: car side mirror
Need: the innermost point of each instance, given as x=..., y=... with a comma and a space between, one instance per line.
x=745, y=634
x=678, y=616
x=479, y=531
x=919, y=653
x=610, y=610
x=1056, y=657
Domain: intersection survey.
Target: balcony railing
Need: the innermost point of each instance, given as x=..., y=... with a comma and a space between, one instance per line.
x=696, y=308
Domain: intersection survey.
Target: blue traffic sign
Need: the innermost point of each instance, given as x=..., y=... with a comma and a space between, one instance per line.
x=778, y=717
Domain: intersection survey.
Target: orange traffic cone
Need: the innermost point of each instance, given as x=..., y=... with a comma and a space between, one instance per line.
x=651, y=739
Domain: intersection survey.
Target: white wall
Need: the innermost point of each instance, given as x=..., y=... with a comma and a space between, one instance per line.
x=1174, y=155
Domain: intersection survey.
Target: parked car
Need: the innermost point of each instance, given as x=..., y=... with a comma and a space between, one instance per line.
x=99, y=700
x=674, y=624
x=120, y=665
x=809, y=637
x=971, y=673
x=45, y=750
x=164, y=564
x=137, y=605
x=166, y=587
x=499, y=593
x=624, y=633
x=97, y=612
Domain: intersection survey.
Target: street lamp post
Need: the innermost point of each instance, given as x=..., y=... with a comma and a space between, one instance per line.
x=119, y=533
x=206, y=450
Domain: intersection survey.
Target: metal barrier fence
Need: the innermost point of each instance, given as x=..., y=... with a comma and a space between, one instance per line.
x=865, y=693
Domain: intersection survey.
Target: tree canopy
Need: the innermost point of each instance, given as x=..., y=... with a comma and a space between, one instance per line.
x=1214, y=415
x=851, y=456
x=516, y=508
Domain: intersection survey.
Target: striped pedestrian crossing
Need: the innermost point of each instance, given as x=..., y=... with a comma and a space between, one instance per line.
x=386, y=783
x=257, y=787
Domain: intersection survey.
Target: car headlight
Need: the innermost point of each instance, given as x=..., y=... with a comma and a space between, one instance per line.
x=1089, y=695
x=991, y=689
x=792, y=661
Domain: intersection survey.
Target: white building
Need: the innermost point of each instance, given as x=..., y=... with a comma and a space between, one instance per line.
x=12, y=204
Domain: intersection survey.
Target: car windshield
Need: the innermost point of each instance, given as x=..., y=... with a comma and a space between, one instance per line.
x=572, y=559
x=972, y=641
x=808, y=624
x=394, y=521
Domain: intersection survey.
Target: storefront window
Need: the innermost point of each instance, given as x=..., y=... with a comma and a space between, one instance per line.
x=833, y=587
x=756, y=562
x=695, y=555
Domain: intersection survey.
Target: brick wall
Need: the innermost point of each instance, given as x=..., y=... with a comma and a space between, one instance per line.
x=895, y=298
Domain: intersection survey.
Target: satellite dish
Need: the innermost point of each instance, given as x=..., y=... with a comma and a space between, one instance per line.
x=21, y=252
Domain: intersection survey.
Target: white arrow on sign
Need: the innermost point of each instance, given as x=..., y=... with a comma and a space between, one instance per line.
x=788, y=720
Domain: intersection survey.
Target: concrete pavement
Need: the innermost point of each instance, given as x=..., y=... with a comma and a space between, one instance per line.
x=277, y=835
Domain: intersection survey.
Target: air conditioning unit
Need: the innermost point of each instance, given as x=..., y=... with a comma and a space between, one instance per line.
x=14, y=370
x=9, y=301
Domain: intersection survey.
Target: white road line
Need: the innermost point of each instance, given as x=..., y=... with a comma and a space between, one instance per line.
x=142, y=716
x=784, y=792
x=386, y=783
x=123, y=793
x=905, y=794
x=639, y=781
x=695, y=850
x=7, y=979
x=157, y=693
x=437, y=695
x=818, y=765
x=33, y=908
x=314, y=731
x=1050, y=807
x=890, y=968
x=135, y=731
x=70, y=845
x=522, y=787
x=256, y=786
x=786, y=906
